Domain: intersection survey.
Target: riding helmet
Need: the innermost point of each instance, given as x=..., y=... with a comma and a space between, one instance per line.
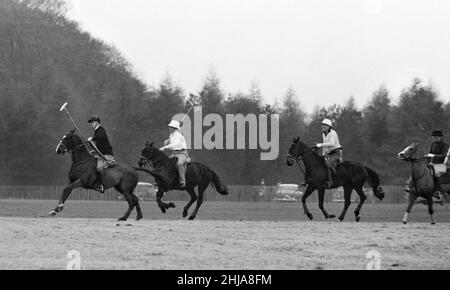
x=94, y=119
x=437, y=133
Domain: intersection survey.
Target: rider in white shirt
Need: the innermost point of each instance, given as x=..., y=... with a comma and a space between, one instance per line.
x=332, y=149
x=177, y=144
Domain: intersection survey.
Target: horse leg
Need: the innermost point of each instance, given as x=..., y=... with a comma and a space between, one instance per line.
x=162, y=205
x=412, y=201
x=139, y=215
x=194, y=198
x=430, y=209
x=362, y=200
x=321, y=206
x=348, y=202
x=129, y=199
x=65, y=195
x=309, y=190
x=201, y=191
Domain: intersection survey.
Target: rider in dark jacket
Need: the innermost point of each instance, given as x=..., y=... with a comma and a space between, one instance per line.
x=439, y=148
x=438, y=152
x=101, y=141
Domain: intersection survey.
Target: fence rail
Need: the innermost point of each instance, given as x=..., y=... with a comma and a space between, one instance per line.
x=394, y=194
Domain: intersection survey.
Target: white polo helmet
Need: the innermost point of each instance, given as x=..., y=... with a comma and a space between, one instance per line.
x=175, y=124
x=328, y=122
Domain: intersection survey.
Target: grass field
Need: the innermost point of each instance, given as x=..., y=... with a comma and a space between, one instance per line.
x=225, y=236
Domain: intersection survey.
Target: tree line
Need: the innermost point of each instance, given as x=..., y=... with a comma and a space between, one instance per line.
x=46, y=60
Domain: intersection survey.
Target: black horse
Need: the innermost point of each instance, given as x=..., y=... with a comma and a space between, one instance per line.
x=350, y=175
x=83, y=173
x=166, y=176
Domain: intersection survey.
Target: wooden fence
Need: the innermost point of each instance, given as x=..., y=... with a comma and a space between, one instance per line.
x=394, y=194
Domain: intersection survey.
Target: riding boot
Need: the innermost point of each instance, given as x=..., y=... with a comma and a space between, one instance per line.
x=437, y=187
x=329, y=183
x=98, y=185
x=181, y=172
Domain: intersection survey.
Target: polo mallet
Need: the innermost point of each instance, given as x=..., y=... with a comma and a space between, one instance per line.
x=64, y=108
x=193, y=105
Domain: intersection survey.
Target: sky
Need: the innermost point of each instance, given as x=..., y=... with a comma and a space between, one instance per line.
x=326, y=50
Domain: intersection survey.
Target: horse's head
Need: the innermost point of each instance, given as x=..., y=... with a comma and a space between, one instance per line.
x=297, y=151
x=410, y=152
x=68, y=143
x=149, y=155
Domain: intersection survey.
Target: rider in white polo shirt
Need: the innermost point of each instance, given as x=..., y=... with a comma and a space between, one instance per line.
x=177, y=144
x=332, y=150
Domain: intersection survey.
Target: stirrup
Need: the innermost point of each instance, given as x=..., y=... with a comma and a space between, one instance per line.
x=328, y=185
x=100, y=189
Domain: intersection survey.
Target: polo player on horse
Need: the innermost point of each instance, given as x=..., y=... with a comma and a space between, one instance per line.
x=177, y=144
x=437, y=156
x=103, y=151
x=332, y=150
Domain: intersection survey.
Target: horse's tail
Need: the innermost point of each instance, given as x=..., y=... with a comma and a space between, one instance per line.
x=374, y=181
x=218, y=185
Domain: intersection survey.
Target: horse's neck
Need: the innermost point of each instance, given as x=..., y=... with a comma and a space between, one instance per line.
x=312, y=162
x=80, y=154
x=418, y=170
x=162, y=160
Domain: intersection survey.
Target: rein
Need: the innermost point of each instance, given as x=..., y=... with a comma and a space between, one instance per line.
x=76, y=149
x=299, y=159
x=150, y=162
x=82, y=161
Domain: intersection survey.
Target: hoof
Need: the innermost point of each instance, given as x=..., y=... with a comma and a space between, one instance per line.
x=138, y=218
x=163, y=209
x=52, y=213
x=192, y=218
x=405, y=223
x=331, y=217
x=185, y=214
x=310, y=216
x=122, y=219
x=172, y=205
x=340, y=220
x=358, y=219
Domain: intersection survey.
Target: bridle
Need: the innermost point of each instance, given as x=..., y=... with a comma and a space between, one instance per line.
x=299, y=159
x=72, y=150
x=152, y=163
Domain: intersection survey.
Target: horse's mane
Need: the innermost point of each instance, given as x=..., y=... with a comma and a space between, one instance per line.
x=77, y=138
x=311, y=151
x=163, y=173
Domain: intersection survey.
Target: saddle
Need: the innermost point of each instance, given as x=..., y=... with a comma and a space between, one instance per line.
x=438, y=170
x=189, y=160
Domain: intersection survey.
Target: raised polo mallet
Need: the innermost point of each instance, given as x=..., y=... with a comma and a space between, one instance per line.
x=64, y=108
x=193, y=105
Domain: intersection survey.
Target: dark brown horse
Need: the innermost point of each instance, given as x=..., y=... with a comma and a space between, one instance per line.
x=350, y=175
x=166, y=176
x=83, y=174
x=421, y=183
